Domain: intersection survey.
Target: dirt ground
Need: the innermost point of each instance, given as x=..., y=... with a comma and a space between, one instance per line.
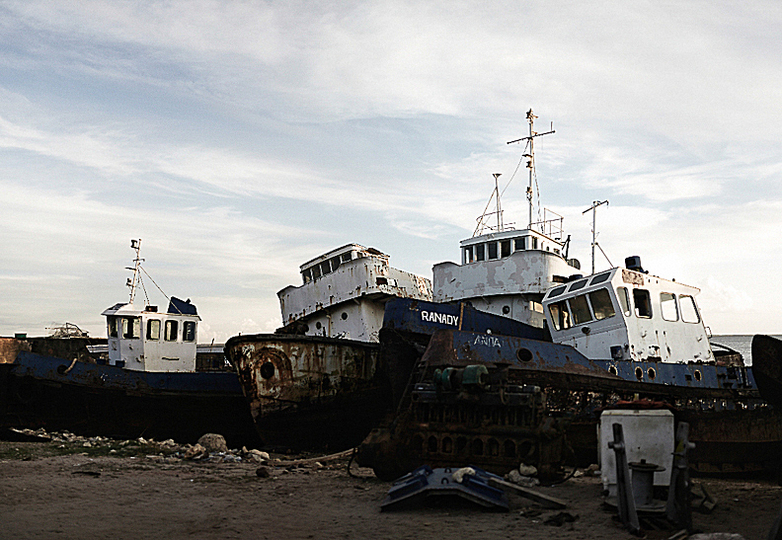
x=50, y=490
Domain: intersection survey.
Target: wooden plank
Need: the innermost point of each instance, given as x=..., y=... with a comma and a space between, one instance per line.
x=538, y=497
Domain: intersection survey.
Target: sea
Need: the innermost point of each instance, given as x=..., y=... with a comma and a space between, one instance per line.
x=740, y=343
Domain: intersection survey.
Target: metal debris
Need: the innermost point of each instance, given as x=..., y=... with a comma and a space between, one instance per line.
x=425, y=482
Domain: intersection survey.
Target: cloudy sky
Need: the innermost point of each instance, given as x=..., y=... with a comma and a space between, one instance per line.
x=240, y=139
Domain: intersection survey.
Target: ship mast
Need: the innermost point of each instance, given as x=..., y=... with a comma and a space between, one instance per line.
x=593, y=209
x=133, y=282
x=531, y=159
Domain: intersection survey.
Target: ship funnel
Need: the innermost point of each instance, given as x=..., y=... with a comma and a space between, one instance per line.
x=634, y=263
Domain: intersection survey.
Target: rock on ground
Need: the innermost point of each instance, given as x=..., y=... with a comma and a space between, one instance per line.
x=213, y=442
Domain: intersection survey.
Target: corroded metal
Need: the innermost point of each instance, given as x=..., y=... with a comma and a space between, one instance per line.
x=309, y=391
x=10, y=347
x=65, y=392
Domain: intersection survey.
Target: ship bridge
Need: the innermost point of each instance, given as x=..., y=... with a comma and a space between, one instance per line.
x=628, y=314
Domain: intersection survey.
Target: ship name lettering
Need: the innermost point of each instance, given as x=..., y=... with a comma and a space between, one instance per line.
x=489, y=341
x=442, y=318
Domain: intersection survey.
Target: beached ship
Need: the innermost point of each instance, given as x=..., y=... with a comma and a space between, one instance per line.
x=143, y=380
x=506, y=271
x=317, y=381
x=478, y=397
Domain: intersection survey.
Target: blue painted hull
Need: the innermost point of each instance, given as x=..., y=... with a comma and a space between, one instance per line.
x=46, y=391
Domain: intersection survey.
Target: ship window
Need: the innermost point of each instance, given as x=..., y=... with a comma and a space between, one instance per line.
x=306, y=276
x=324, y=268
x=189, y=331
x=468, y=255
x=480, y=253
x=580, y=309
x=131, y=327
x=153, y=329
x=643, y=303
x=334, y=263
x=560, y=316
x=556, y=292
x=492, y=250
x=600, y=278
x=520, y=244
x=601, y=304
x=505, y=248
x=624, y=300
x=345, y=257
x=578, y=285
x=689, y=309
x=172, y=330
x=534, y=243
x=112, y=326
x=668, y=307
x=315, y=272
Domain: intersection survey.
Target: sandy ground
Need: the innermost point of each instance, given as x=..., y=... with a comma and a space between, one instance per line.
x=45, y=493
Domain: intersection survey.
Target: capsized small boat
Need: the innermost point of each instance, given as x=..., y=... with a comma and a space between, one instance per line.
x=148, y=382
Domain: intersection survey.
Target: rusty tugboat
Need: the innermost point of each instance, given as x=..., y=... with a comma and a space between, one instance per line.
x=150, y=381
x=317, y=381
x=493, y=397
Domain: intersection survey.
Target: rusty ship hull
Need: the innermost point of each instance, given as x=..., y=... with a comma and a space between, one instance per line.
x=541, y=405
x=310, y=392
x=61, y=387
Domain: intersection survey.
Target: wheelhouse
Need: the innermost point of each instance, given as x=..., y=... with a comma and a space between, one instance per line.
x=626, y=314
x=143, y=339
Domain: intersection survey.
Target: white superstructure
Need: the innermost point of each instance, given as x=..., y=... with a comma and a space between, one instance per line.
x=507, y=271
x=344, y=291
x=628, y=314
x=142, y=339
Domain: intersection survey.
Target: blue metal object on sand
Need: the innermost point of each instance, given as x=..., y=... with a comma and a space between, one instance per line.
x=470, y=483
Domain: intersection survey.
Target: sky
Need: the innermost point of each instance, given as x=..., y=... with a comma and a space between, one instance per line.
x=239, y=140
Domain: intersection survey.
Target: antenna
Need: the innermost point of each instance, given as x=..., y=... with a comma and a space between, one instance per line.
x=531, y=157
x=593, y=209
x=483, y=219
x=133, y=282
x=499, y=207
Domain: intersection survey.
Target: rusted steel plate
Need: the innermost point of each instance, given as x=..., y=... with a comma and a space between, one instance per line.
x=309, y=391
x=767, y=367
x=549, y=363
x=10, y=347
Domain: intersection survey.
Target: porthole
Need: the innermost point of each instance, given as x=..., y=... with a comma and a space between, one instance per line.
x=612, y=370
x=505, y=310
x=524, y=355
x=639, y=374
x=651, y=373
x=267, y=370
x=698, y=375
x=344, y=316
x=318, y=325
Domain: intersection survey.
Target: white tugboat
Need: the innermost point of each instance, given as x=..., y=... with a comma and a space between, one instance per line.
x=484, y=396
x=141, y=338
x=317, y=381
x=150, y=385
x=506, y=271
